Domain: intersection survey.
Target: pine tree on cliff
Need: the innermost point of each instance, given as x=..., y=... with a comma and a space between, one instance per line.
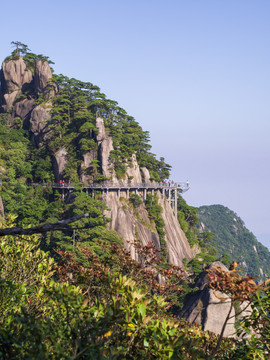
x=20, y=48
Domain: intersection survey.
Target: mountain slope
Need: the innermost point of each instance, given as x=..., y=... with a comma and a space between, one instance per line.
x=53, y=128
x=235, y=239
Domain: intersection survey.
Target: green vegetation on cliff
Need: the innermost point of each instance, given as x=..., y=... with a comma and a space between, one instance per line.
x=202, y=242
x=233, y=238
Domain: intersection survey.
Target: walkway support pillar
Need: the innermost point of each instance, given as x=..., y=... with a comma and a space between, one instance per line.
x=175, y=202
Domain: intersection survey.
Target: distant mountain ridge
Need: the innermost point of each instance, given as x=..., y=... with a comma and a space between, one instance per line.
x=233, y=238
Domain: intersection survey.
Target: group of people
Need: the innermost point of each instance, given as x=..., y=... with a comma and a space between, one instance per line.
x=167, y=183
x=62, y=182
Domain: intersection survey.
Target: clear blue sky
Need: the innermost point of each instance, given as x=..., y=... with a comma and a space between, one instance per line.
x=194, y=73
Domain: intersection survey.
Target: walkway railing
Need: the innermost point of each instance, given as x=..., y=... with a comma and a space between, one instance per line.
x=184, y=186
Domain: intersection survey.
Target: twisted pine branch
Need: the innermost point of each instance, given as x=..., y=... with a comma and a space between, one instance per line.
x=59, y=225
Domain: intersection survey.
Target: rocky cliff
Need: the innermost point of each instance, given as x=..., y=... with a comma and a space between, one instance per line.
x=19, y=92
x=133, y=227
x=27, y=94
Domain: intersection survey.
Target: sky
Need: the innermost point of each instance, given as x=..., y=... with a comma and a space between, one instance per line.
x=194, y=73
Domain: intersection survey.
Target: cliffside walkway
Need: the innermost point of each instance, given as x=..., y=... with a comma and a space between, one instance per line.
x=168, y=190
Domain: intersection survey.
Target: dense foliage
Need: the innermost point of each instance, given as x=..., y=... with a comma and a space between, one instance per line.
x=233, y=238
x=202, y=242
x=104, y=310
x=106, y=315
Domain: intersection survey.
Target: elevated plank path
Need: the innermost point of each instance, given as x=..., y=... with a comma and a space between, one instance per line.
x=167, y=189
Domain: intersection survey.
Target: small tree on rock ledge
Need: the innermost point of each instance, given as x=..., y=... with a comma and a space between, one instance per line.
x=20, y=48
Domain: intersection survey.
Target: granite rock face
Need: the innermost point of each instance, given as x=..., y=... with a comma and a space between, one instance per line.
x=123, y=219
x=105, y=146
x=14, y=78
x=86, y=166
x=176, y=241
x=17, y=80
x=59, y=164
x=133, y=173
x=127, y=224
x=43, y=73
x=23, y=110
x=205, y=309
x=145, y=175
x=39, y=121
x=15, y=75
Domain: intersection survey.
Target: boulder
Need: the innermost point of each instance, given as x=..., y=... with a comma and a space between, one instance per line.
x=205, y=309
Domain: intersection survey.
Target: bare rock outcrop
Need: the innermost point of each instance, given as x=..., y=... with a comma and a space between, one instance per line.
x=205, y=309
x=123, y=219
x=127, y=225
x=23, y=110
x=145, y=175
x=101, y=130
x=60, y=161
x=7, y=100
x=132, y=227
x=105, y=146
x=14, y=77
x=86, y=166
x=176, y=241
x=43, y=73
x=133, y=174
x=39, y=121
